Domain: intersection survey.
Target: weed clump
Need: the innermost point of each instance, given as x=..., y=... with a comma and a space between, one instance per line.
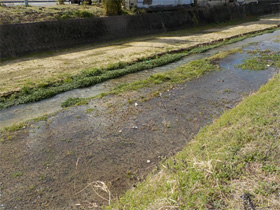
x=74, y=14
x=183, y=73
x=15, y=127
x=261, y=61
x=72, y=102
x=16, y=174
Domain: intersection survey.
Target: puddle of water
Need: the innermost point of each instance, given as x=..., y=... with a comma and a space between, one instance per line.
x=25, y=112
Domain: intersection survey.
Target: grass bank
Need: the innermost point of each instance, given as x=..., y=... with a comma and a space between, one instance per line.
x=93, y=76
x=231, y=164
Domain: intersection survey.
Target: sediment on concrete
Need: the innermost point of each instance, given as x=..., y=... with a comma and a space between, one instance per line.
x=23, y=39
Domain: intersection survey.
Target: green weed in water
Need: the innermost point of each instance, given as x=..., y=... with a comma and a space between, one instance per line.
x=72, y=102
x=261, y=61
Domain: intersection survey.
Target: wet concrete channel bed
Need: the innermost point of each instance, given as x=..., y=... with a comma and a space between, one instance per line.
x=50, y=164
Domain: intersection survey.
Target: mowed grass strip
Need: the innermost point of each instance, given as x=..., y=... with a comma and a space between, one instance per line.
x=232, y=164
x=94, y=76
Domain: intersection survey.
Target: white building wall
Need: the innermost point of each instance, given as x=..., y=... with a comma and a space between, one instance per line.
x=212, y=2
x=247, y=1
x=157, y=3
x=154, y=3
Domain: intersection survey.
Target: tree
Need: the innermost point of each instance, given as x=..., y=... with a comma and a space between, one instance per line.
x=112, y=7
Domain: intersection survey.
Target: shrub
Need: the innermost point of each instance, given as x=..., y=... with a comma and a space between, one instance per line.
x=85, y=14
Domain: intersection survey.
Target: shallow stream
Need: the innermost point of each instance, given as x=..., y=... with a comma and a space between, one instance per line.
x=25, y=112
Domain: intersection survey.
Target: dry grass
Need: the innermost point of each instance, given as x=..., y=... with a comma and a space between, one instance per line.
x=96, y=188
x=22, y=14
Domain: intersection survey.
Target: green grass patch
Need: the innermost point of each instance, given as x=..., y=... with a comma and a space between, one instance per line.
x=75, y=14
x=238, y=155
x=18, y=126
x=89, y=110
x=73, y=101
x=16, y=174
x=261, y=61
x=181, y=74
x=192, y=70
x=94, y=76
x=15, y=127
x=222, y=55
x=42, y=118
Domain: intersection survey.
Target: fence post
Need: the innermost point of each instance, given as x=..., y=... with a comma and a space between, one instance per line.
x=26, y=3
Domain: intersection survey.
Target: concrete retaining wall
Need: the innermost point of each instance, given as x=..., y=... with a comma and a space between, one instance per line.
x=22, y=39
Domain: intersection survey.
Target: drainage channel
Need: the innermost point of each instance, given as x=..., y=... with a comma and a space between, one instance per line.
x=25, y=112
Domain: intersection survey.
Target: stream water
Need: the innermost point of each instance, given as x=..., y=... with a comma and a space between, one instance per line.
x=25, y=112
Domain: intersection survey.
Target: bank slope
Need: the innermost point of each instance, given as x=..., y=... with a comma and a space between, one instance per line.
x=232, y=164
